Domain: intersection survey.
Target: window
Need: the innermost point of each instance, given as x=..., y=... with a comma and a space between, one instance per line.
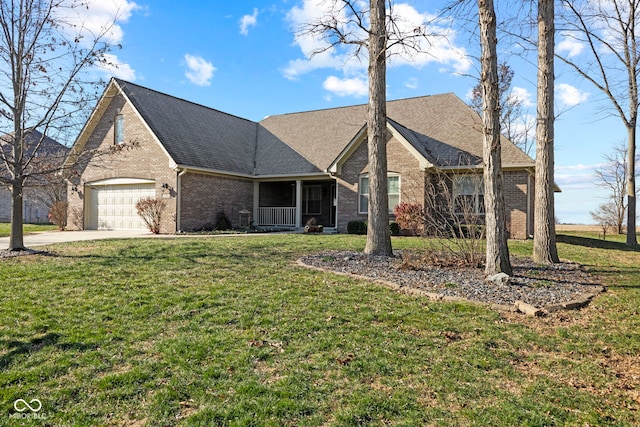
x=312, y=200
x=468, y=193
x=393, y=190
x=119, y=129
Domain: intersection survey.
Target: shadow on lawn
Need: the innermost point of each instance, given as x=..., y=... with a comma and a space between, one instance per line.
x=595, y=243
x=51, y=339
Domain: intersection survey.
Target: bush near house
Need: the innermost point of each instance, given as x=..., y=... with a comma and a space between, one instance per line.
x=357, y=227
x=410, y=217
x=150, y=210
x=58, y=214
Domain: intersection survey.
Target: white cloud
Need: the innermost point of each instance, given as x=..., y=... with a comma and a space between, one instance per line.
x=199, y=71
x=523, y=95
x=578, y=167
x=570, y=45
x=577, y=176
x=248, y=21
x=317, y=51
x=437, y=48
x=570, y=95
x=412, y=83
x=346, y=87
x=114, y=67
x=97, y=18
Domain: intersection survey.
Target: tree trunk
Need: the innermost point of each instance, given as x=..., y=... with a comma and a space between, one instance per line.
x=378, y=235
x=631, y=186
x=16, y=241
x=497, y=258
x=544, y=239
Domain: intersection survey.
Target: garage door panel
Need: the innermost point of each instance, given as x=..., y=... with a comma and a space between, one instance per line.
x=114, y=206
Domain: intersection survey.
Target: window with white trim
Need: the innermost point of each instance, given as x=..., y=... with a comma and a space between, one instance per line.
x=118, y=129
x=393, y=192
x=468, y=193
x=312, y=200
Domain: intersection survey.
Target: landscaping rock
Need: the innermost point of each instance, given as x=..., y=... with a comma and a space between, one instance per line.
x=499, y=279
x=528, y=309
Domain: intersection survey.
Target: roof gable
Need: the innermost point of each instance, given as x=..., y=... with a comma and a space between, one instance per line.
x=194, y=135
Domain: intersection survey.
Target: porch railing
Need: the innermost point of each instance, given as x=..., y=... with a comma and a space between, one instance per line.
x=277, y=216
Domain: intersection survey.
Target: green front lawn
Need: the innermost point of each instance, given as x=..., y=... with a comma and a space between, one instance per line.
x=5, y=228
x=228, y=331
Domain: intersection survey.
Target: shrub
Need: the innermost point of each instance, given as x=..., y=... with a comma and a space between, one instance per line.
x=394, y=227
x=150, y=210
x=410, y=217
x=58, y=214
x=357, y=227
x=222, y=222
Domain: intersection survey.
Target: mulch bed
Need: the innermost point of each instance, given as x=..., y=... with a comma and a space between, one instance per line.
x=545, y=287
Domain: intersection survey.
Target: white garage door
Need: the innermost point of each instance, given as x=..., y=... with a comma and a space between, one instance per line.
x=113, y=207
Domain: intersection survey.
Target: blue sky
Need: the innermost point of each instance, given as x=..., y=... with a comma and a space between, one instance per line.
x=244, y=58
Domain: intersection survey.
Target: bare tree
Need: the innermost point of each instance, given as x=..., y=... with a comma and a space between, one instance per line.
x=497, y=257
x=608, y=31
x=514, y=123
x=43, y=86
x=453, y=213
x=612, y=176
x=606, y=217
x=544, y=233
x=375, y=31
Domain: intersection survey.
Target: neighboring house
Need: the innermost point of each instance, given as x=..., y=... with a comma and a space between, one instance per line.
x=41, y=190
x=283, y=170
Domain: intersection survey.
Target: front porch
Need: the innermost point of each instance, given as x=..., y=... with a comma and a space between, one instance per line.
x=293, y=203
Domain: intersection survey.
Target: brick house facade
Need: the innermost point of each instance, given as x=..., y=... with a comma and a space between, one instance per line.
x=281, y=171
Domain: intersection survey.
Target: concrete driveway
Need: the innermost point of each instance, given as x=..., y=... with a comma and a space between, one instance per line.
x=53, y=237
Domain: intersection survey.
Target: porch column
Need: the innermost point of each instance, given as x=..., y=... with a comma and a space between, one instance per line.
x=298, y=203
x=256, y=201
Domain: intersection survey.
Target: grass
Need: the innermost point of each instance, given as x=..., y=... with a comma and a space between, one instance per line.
x=228, y=331
x=5, y=228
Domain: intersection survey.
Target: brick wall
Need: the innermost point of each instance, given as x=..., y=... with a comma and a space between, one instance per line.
x=140, y=157
x=516, y=203
x=399, y=161
x=204, y=196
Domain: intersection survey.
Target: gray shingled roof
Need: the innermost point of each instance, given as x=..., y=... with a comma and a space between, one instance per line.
x=449, y=131
x=442, y=128
x=195, y=135
x=445, y=130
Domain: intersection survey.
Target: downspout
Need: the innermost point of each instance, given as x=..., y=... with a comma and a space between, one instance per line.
x=179, y=198
x=334, y=203
x=530, y=211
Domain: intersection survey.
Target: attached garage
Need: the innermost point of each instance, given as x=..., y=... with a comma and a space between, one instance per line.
x=111, y=204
